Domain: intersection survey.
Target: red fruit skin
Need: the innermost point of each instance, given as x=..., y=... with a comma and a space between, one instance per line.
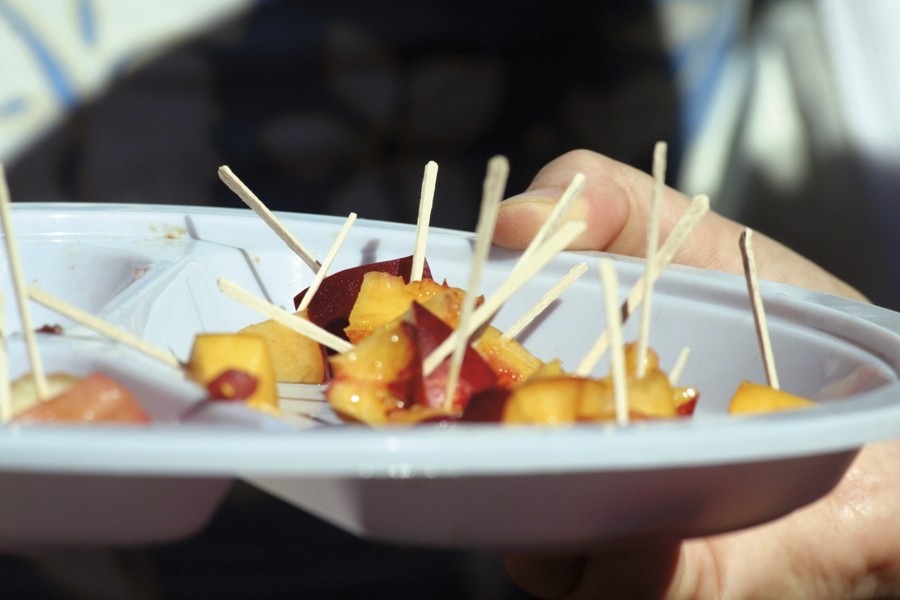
x=331, y=306
x=475, y=375
x=486, y=406
x=686, y=409
x=97, y=398
x=232, y=384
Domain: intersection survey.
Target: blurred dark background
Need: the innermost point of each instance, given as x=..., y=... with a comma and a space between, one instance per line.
x=336, y=107
x=333, y=107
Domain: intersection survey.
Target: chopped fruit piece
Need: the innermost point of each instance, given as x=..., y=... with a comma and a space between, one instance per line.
x=474, y=376
x=512, y=363
x=754, y=398
x=448, y=304
x=595, y=400
x=232, y=385
x=295, y=358
x=383, y=298
x=651, y=396
x=550, y=401
x=96, y=398
x=216, y=353
x=561, y=399
x=631, y=359
x=330, y=307
x=24, y=394
x=550, y=369
x=381, y=374
x=685, y=400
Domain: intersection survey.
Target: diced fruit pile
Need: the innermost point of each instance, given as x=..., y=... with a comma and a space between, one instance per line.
x=393, y=325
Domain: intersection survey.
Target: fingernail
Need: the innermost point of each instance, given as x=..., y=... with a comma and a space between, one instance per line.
x=540, y=202
x=548, y=195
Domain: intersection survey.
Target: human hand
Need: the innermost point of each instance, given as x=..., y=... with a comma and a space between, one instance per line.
x=846, y=545
x=615, y=205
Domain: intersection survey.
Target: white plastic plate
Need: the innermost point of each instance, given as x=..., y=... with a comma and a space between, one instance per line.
x=153, y=270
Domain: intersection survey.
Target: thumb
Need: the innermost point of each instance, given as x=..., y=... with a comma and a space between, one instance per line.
x=615, y=205
x=639, y=571
x=603, y=204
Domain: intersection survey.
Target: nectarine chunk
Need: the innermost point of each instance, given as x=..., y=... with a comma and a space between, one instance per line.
x=96, y=398
x=295, y=358
x=216, y=353
x=509, y=359
x=381, y=374
x=756, y=398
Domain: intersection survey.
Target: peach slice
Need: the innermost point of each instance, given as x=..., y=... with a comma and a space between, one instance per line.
x=564, y=399
x=215, y=354
x=96, y=398
x=381, y=374
x=509, y=359
x=549, y=369
x=24, y=393
x=651, y=397
x=295, y=358
x=551, y=401
x=383, y=298
x=475, y=374
x=685, y=399
x=631, y=359
x=331, y=306
x=448, y=304
x=756, y=398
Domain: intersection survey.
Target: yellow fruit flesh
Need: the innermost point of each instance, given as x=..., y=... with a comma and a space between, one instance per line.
x=384, y=298
x=215, y=353
x=757, y=398
x=512, y=363
x=295, y=358
x=360, y=385
x=561, y=399
x=24, y=393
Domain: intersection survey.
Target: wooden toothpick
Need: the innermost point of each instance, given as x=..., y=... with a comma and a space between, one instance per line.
x=518, y=278
x=759, y=313
x=556, y=216
x=659, y=174
x=326, y=263
x=289, y=320
x=492, y=194
x=103, y=327
x=426, y=200
x=617, y=353
x=250, y=199
x=541, y=305
x=678, y=368
x=696, y=210
x=15, y=269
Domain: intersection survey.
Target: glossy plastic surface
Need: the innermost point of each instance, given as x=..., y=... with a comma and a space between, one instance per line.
x=154, y=272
